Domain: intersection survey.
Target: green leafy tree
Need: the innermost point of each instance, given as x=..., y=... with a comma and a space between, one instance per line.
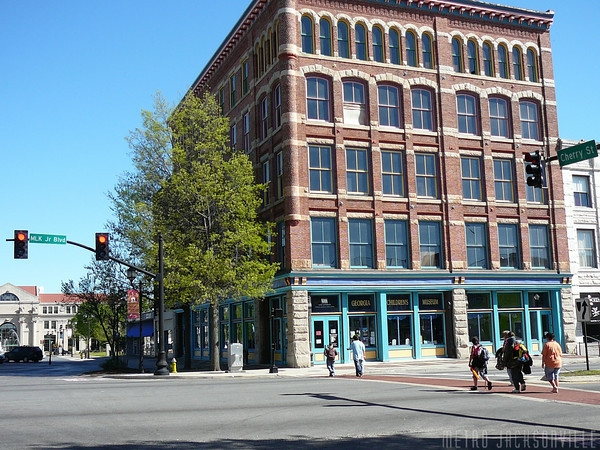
x=215, y=246
x=102, y=311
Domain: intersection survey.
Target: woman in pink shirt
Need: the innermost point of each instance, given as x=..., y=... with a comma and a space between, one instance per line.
x=552, y=360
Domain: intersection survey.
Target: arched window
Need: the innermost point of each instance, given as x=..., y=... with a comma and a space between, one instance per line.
x=473, y=57
x=488, y=59
x=466, y=108
x=325, y=37
x=422, y=109
x=411, y=49
x=517, y=58
x=394, y=46
x=427, y=51
x=389, y=106
x=530, y=128
x=8, y=297
x=532, y=71
x=308, y=44
x=457, y=55
x=503, y=61
x=317, y=98
x=275, y=41
x=355, y=104
x=378, y=49
x=360, y=39
x=499, y=117
x=343, y=40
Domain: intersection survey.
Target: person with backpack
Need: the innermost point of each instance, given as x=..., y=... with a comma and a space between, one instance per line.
x=512, y=356
x=330, y=355
x=478, y=363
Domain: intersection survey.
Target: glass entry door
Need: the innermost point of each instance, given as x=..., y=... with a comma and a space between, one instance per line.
x=325, y=330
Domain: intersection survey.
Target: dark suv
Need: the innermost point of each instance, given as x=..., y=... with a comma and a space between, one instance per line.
x=24, y=353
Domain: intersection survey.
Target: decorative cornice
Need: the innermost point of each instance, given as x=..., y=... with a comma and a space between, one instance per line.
x=463, y=9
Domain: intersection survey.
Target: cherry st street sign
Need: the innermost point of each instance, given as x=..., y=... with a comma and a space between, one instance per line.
x=577, y=153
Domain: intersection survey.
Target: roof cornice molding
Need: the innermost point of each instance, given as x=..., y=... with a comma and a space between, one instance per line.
x=463, y=9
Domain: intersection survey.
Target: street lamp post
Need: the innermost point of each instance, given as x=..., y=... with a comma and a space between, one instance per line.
x=161, y=362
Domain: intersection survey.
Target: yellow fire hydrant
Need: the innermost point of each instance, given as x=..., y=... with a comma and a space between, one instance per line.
x=173, y=365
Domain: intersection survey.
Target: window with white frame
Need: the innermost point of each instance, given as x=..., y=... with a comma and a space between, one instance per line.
x=471, y=178
x=396, y=243
x=277, y=106
x=581, y=191
x=323, y=242
x=503, y=180
x=499, y=119
x=361, y=243
x=426, y=173
x=586, y=246
x=389, y=106
x=355, y=108
x=320, y=168
x=539, y=246
x=317, y=98
x=508, y=246
x=392, y=173
x=279, y=172
x=430, y=244
x=246, y=123
x=477, y=251
x=357, y=171
x=467, y=113
x=422, y=109
x=529, y=120
x=266, y=179
x=264, y=117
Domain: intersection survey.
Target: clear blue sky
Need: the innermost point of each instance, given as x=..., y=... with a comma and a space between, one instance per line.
x=75, y=75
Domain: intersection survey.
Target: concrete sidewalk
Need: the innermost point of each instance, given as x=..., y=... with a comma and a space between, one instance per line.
x=424, y=368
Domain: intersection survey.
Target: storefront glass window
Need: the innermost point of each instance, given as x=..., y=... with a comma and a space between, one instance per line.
x=479, y=301
x=250, y=335
x=400, y=330
x=432, y=329
x=509, y=300
x=480, y=325
x=539, y=300
x=249, y=310
x=364, y=327
x=512, y=321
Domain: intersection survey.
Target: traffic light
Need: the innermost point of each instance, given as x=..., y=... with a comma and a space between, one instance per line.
x=102, y=251
x=21, y=244
x=535, y=168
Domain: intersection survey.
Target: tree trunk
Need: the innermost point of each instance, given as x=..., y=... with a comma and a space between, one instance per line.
x=215, y=355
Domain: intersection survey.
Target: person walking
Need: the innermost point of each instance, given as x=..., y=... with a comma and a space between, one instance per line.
x=330, y=355
x=511, y=359
x=358, y=354
x=499, y=364
x=478, y=364
x=552, y=361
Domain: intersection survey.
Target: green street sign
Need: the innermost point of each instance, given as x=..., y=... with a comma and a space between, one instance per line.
x=47, y=238
x=577, y=153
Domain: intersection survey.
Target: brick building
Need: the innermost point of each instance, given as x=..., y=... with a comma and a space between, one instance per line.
x=392, y=136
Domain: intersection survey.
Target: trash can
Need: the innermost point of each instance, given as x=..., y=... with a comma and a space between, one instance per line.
x=236, y=357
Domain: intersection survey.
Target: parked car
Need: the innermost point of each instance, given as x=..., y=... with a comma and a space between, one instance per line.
x=24, y=353
x=2, y=358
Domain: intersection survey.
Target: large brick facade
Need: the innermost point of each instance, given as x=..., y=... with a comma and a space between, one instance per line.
x=264, y=74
